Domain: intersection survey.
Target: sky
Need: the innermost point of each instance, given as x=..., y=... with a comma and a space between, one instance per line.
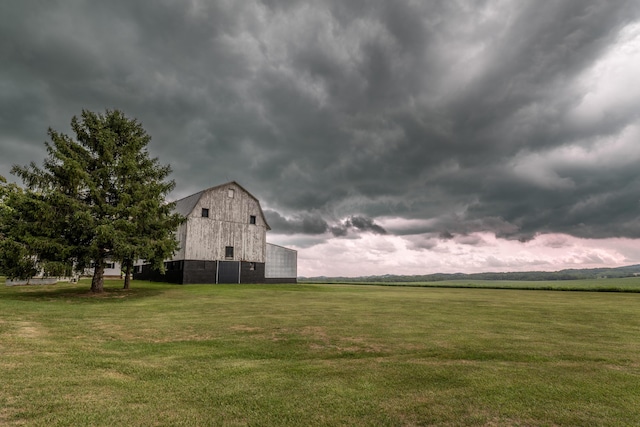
x=404, y=137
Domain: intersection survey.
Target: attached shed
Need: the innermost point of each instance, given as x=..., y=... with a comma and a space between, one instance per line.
x=281, y=265
x=223, y=240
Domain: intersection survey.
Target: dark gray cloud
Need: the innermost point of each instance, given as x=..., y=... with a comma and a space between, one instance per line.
x=305, y=223
x=477, y=116
x=358, y=223
x=314, y=224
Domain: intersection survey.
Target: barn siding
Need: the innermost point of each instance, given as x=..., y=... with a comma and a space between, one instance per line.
x=227, y=225
x=181, y=236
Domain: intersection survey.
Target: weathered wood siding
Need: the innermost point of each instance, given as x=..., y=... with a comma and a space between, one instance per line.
x=228, y=224
x=181, y=236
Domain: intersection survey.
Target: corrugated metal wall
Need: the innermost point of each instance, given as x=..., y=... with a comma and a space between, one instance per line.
x=281, y=263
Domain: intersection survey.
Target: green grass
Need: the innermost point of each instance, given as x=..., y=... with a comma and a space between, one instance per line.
x=626, y=284
x=264, y=355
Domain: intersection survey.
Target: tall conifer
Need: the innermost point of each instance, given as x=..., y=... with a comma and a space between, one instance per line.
x=106, y=193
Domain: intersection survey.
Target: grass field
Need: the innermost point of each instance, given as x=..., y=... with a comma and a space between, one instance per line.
x=627, y=284
x=264, y=355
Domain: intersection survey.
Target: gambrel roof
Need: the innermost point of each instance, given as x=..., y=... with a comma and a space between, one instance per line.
x=186, y=205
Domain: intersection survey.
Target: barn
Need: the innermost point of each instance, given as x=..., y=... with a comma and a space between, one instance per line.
x=223, y=240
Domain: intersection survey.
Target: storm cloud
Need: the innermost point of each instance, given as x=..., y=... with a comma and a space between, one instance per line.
x=304, y=224
x=514, y=118
x=359, y=223
x=314, y=224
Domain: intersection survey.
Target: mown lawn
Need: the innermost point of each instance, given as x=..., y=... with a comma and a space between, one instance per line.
x=317, y=355
x=626, y=284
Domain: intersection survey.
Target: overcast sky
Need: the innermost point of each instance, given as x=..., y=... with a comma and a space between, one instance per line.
x=400, y=137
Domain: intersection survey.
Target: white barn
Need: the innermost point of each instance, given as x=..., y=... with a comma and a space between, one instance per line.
x=223, y=240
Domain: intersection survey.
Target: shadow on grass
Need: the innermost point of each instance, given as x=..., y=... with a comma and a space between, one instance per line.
x=79, y=293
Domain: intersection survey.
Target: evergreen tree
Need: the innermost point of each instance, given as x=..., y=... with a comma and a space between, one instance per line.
x=106, y=193
x=28, y=243
x=16, y=262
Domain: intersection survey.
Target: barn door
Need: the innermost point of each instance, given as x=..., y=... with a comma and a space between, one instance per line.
x=229, y=272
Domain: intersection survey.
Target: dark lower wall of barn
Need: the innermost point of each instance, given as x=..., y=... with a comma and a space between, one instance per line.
x=148, y=273
x=206, y=272
x=252, y=272
x=282, y=280
x=199, y=272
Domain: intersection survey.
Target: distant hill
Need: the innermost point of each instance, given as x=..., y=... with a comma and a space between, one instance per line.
x=571, y=274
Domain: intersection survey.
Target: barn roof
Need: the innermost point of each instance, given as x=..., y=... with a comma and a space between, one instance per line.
x=185, y=205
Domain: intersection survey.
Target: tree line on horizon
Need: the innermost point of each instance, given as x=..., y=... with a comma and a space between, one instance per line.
x=97, y=197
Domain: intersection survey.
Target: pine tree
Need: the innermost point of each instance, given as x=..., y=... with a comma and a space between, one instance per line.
x=29, y=245
x=16, y=261
x=106, y=193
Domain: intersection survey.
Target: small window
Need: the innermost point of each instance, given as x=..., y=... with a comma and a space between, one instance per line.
x=205, y=213
x=137, y=269
x=252, y=266
x=228, y=252
x=231, y=192
x=110, y=265
x=252, y=219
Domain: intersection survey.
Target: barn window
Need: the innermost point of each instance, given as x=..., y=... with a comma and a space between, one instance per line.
x=205, y=213
x=109, y=265
x=252, y=266
x=228, y=252
x=231, y=192
x=252, y=219
x=137, y=269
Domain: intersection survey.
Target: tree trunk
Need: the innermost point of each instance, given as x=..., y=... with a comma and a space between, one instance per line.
x=97, y=283
x=127, y=273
